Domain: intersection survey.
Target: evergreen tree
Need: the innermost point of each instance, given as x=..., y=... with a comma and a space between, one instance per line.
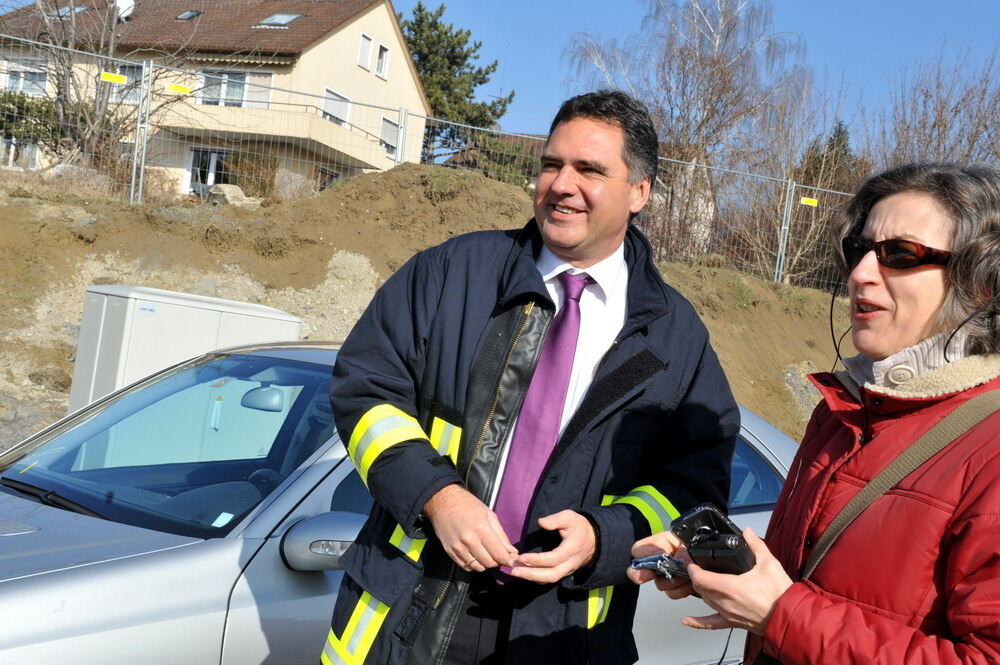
x=832, y=163
x=445, y=60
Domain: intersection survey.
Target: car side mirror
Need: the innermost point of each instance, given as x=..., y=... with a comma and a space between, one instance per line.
x=318, y=542
x=264, y=399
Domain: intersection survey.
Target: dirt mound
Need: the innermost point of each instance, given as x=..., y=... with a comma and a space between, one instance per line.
x=321, y=259
x=390, y=216
x=767, y=336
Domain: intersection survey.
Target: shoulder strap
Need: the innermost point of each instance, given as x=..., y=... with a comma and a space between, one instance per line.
x=954, y=425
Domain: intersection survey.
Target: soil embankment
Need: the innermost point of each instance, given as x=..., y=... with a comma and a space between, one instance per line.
x=321, y=259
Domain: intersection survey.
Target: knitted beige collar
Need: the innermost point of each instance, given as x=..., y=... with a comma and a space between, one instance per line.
x=950, y=378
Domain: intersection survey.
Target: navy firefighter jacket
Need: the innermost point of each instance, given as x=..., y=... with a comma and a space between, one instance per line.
x=424, y=393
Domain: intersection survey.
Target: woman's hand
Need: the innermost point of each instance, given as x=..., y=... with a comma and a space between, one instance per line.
x=740, y=601
x=660, y=543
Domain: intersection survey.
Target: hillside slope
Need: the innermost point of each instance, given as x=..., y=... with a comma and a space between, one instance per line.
x=321, y=259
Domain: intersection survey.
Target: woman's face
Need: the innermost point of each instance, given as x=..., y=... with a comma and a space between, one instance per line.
x=892, y=309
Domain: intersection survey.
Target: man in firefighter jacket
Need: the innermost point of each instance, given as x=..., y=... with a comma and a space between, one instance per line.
x=427, y=391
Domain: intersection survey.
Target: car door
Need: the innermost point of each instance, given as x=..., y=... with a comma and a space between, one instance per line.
x=278, y=615
x=661, y=639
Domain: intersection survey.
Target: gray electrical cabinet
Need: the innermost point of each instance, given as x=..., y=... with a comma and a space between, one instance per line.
x=128, y=332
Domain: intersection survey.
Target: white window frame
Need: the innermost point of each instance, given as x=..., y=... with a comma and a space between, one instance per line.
x=130, y=91
x=30, y=66
x=365, y=52
x=220, y=78
x=336, y=119
x=382, y=64
x=390, y=148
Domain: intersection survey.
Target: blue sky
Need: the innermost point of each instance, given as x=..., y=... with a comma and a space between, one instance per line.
x=868, y=42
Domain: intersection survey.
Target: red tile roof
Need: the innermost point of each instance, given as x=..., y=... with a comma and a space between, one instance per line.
x=225, y=26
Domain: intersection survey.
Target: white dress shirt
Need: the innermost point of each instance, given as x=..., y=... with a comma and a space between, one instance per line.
x=603, y=306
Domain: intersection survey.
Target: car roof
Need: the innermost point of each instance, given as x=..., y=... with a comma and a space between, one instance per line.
x=319, y=353
x=779, y=444
x=781, y=447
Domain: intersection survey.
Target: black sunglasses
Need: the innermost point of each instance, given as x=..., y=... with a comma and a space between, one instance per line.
x=893, y=253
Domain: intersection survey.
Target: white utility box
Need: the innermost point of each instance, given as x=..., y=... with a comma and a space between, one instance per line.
x=131, y=331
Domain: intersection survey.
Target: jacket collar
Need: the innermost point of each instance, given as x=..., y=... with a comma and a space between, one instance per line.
x=647, y=293
x=844, y=396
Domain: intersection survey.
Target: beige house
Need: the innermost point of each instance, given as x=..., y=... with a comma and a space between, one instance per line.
x=292, y=94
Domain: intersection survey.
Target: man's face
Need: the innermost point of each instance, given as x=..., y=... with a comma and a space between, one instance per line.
x=583, y=197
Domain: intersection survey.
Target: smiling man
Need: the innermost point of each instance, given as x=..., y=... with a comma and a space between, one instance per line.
x=523, y=406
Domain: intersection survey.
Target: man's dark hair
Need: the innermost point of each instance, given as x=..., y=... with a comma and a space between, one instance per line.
x=616, y=108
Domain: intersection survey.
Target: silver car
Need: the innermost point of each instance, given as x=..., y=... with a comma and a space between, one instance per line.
x=198, y=516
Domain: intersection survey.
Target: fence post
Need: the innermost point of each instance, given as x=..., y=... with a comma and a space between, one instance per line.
x=786, y=225
x=141, y=133
x=401, y=139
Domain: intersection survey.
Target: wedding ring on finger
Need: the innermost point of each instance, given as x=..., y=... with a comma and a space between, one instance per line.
x=468, y=564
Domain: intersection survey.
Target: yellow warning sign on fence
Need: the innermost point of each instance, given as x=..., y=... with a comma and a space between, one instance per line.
x=117, y=79
x=178, y=89
x=806, y=201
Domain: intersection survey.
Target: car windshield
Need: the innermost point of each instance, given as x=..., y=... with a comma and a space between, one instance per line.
x=189, y=452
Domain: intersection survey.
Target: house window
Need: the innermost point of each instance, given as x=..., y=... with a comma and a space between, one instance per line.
x=67, y=11
x=382, y=63
x=278, y=20
x=27, y=76
x=258, y=90
x=389, y=136
x=223, y=88
x=336, y=108
x=18, y=154
x=208, y=168
x=131, y=91
x=189, y=14
x=365, y=52
x=325, y=177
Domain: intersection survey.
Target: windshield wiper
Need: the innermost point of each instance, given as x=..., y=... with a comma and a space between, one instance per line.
x=49, y=497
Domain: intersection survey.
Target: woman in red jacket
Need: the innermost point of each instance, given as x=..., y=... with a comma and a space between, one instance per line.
x=916, y=577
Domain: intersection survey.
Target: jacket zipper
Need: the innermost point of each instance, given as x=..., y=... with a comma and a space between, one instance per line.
x=525, y=315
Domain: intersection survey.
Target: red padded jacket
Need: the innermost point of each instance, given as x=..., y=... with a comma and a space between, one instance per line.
x=916, y=578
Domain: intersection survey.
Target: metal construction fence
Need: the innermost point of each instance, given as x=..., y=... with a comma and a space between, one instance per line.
x=144, y=131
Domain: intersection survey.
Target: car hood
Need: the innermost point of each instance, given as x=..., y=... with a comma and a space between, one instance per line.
x=35, y=539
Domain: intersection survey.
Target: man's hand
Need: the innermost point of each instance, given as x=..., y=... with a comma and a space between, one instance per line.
x=469, y=531
x=664, y=542
x=577, y=549
x=741, y=601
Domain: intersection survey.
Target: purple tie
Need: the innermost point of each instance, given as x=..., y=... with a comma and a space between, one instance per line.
x=537, y=429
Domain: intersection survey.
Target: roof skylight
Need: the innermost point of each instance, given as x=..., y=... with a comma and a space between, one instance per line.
x=189, y=14
x=279, y=20
x=68, y=10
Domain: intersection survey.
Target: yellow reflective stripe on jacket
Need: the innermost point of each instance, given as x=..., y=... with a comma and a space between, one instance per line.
x=445, y=438
x=598, y=602
x=359, y=634
x=411, y=547
x=380, y=428
x=655, y=507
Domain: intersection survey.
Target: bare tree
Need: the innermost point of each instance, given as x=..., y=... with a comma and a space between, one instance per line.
x=943, y=110
x=707, y=69
x=89, y=119
x=713, y=74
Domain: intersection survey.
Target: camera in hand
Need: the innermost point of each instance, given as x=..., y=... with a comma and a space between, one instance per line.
x=713, y=541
